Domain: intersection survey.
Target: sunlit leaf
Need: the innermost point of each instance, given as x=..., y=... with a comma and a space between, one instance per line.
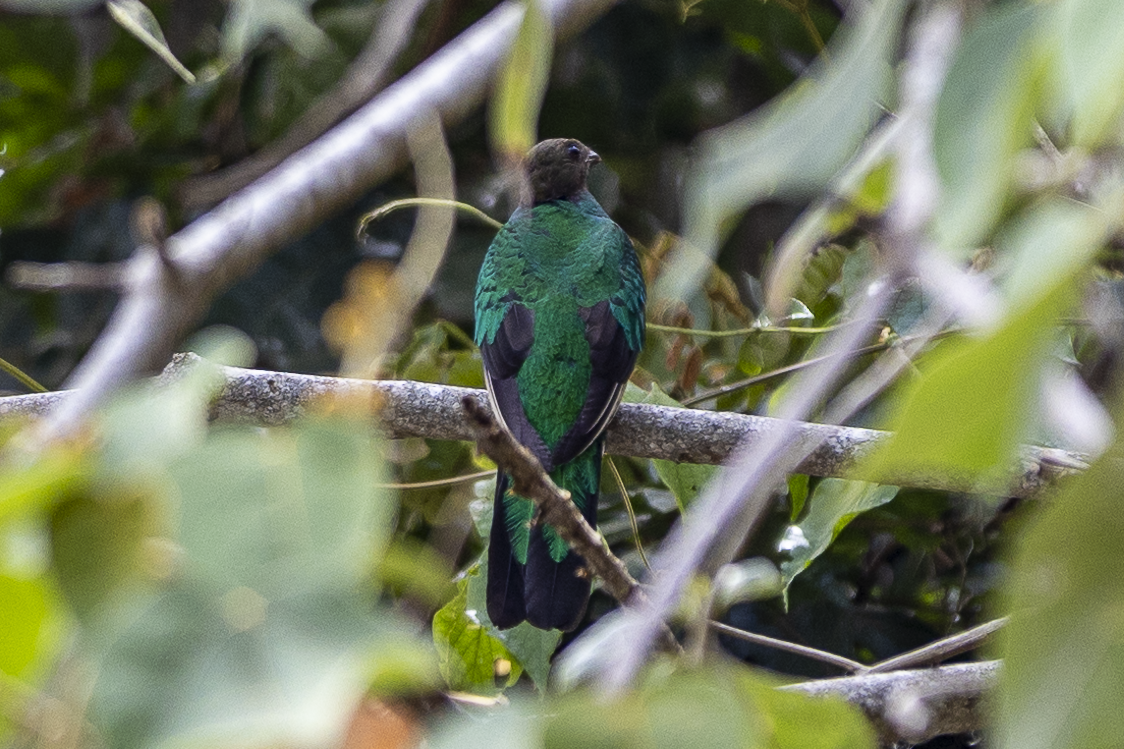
x=833, y=504
x=983, y=117
x=469, y=657
x=522, y=85
x=531, y=647
x=135, y=17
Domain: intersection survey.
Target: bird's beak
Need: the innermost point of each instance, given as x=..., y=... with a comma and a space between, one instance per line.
x=593, y=158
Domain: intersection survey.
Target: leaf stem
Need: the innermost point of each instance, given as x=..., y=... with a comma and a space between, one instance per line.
x=27, y=380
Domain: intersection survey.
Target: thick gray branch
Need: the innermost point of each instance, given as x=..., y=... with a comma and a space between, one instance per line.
x=914, y=706
x=418, y=409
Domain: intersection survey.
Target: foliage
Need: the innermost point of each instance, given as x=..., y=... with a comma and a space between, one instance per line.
x=166, y=581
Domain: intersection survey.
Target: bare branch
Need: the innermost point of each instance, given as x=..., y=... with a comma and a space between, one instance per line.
x=789, y=647
x=682, y=435
x=914, y=706
x=553, y=504
x=24, y=274
x=941, y=650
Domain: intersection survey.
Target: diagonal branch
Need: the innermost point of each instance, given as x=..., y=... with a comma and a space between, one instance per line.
x=553, y=504
x=163, y=300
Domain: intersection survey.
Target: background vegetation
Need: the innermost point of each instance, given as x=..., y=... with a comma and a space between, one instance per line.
x=933, y=195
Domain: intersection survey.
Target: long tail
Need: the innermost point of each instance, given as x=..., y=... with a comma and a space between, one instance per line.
x=505, y=572
x=556, y=585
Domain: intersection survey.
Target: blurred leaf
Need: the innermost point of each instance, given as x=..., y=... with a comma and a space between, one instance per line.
x=531, y=647
x=1090, y=39
x=41, y=485
x=30, y=623
x=250, y=21
x=98, y=549
x=746, y=580
x=791, y=146
x=276, y=530
x=135, y=17
x=821, y=271
x=285, y=509
x=1063, y=653
x=720, y=705
x=969, y=410
x=522, y=85
x=231, y=668
x=468, y=655
x=834, y=504
x=983, y=118
x=685, y=480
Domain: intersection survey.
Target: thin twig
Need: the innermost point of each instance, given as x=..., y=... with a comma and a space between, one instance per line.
x=791, y=647
x=451, y=481
x=628, y=509
x=941, y=650
x=387, y=208
x=25, y=379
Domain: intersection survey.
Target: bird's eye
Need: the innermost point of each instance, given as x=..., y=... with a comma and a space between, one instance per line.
x=573, y=151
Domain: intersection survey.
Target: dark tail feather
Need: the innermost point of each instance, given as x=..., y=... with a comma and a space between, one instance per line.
x=558, y=592
x=505, y=574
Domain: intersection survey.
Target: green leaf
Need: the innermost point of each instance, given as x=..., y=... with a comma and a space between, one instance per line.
x=984, y=116
x=466, y=653
x=98, y=549
x=798, y=491
x=283, y=509
x=135, y=17
x=1063, y=652
x=531, y=647
x=790, y=147
x=1089, y=35
x=231, y=668
x=720, y=705
x=684, y=480
x=273, y=532
x=834, y=504
x=31, y=619
x=522, y=85
x=969, y=410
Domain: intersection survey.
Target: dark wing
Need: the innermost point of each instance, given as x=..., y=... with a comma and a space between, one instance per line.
x=612, y=360
x=503, y=357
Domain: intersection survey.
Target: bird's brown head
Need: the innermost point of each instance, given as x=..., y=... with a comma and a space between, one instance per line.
x=557, y=169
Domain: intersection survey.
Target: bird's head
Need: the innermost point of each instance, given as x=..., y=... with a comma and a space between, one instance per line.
x=557, y=169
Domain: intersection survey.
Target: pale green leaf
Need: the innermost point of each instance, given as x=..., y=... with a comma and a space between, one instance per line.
x=522, y=85
x=1090, y=66
x=466, y=653
x=250, y=21
x=684, y=480
x=1063, y=652
x=983, y=117
x=973, y=403
x=135, y=17
x=833, y=504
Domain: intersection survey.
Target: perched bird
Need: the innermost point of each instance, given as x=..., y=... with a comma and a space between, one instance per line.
x=560, y=322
